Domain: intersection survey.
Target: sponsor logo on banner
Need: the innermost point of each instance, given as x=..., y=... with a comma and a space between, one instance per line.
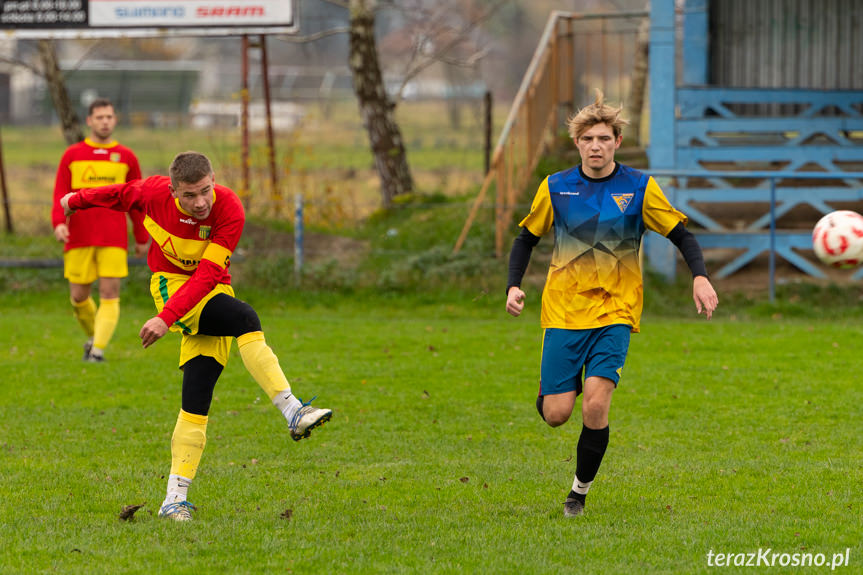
x=189, y=13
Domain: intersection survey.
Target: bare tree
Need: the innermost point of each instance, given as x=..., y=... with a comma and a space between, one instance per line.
x=57, y=84
x=639, y=78
x=442, y=33
x=434, y=39
x=376, y=108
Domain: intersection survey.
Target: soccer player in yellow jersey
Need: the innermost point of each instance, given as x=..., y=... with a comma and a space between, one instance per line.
x=592, y=299
x=95, y=242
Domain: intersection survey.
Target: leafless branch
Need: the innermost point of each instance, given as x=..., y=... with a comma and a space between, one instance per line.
x=84, y=56
x=35, y=69
x=439, y=55
x=468, y=62
x=339, y=3
x=315, y=36
x=382, y=4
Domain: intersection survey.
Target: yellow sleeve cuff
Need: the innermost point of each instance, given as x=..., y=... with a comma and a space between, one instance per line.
x=219, y=255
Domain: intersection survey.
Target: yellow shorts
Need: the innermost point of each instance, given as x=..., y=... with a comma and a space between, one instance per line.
x=163, y=286
x=85, y=265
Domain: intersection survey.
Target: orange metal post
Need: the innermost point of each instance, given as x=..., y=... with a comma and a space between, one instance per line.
x=244, y=121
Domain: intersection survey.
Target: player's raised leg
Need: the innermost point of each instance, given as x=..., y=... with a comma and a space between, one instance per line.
x=264, y=367
x=225, y=315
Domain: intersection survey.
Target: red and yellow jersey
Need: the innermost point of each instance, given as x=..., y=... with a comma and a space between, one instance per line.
x=89, y=165
x=182, y=244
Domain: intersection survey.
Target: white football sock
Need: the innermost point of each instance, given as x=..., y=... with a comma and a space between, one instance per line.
x=178, y=489
x=287, y=403
x=580, y=487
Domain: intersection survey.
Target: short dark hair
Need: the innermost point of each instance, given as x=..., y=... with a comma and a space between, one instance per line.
x=189, y=168
x=99, y=103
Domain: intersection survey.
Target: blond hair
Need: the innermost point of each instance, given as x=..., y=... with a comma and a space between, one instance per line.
x=597, y=113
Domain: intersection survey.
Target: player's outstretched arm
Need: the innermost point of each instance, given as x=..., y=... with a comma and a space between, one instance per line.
x=704, y=295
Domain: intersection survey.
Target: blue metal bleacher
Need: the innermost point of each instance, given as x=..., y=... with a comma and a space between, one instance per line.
x=772, y=149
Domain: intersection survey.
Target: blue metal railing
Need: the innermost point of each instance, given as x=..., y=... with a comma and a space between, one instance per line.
x=723, y=237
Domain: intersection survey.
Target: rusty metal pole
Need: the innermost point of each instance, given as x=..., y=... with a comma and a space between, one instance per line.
x=6, y=209
x=275, y=193
x=244, y=122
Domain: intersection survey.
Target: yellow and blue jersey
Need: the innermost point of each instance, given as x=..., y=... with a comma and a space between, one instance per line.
x=594, y=279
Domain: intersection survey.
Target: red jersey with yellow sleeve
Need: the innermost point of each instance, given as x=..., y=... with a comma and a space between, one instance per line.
x=182, y=244
x=89, y=165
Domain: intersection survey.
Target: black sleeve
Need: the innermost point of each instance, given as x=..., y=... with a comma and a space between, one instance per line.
x=689, y=248
x=519, y=257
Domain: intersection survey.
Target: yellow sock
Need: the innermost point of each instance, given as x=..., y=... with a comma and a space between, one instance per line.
x=85, y=313
x=187, y=444
x=105, y=322
x=262, y=363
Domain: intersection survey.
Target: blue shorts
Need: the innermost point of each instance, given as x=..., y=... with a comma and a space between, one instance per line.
x=566, y=353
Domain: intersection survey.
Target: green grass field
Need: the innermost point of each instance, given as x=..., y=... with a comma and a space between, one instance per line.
x=732, y=436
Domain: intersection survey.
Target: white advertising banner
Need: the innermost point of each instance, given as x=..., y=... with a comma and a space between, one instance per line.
x=140, y=18
x=194, y=13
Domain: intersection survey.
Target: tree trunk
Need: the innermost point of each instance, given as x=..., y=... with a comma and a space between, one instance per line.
x=639, y=78
x=376, y=109
x=57, y=83
x=454, y=99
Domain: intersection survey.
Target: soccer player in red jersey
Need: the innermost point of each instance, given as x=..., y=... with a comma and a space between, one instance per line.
x=96, y=241
x=195, y=225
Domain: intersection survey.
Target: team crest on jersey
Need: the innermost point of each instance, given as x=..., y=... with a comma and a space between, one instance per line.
x=204, y=232
x=115, y=156
x=622, y=200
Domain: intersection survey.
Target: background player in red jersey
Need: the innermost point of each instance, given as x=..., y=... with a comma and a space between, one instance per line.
x=195, y=225
x=96, y=241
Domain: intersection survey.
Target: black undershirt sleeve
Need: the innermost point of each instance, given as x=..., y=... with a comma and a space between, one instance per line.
x=519, y=257
x=689, y=248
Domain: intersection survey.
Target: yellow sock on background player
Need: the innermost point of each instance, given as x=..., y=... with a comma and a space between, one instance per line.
x=107, y=316
x=85, y=313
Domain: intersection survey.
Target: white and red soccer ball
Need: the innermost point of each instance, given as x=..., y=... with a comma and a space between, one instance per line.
x=838, y=239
